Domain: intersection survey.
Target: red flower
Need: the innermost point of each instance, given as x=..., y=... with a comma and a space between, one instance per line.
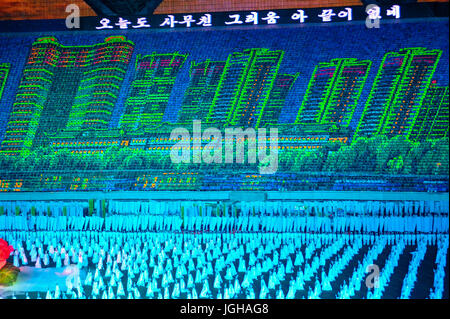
x=5, y=251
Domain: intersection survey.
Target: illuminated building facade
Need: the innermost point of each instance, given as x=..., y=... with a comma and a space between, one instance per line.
x=245, y=87
x=63, y=87
x=100, y=84
x=432, y=120
x=204, y=80
x=333, y=92
x=398, y=91
x=150, y=91
x=281, y=87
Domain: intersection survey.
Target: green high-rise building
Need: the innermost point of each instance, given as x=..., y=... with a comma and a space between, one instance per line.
x=204, y=80
x=244, y=88
x=333, y=92
x=397, y=92
x=281, y=87
x=432, y=120
x=62, y=87
x=150, y=91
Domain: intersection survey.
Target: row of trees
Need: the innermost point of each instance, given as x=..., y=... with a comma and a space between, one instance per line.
x=114, y=158
x=378, y=155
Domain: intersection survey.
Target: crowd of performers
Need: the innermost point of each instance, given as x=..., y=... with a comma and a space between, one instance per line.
x=331, y=216
x=212, y=250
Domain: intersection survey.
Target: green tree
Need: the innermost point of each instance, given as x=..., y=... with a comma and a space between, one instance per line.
x=394, y=147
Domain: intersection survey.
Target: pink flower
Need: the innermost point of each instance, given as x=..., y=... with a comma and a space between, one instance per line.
x=5, y=251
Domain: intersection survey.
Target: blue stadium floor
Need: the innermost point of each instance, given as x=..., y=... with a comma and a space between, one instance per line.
x=139, y=286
